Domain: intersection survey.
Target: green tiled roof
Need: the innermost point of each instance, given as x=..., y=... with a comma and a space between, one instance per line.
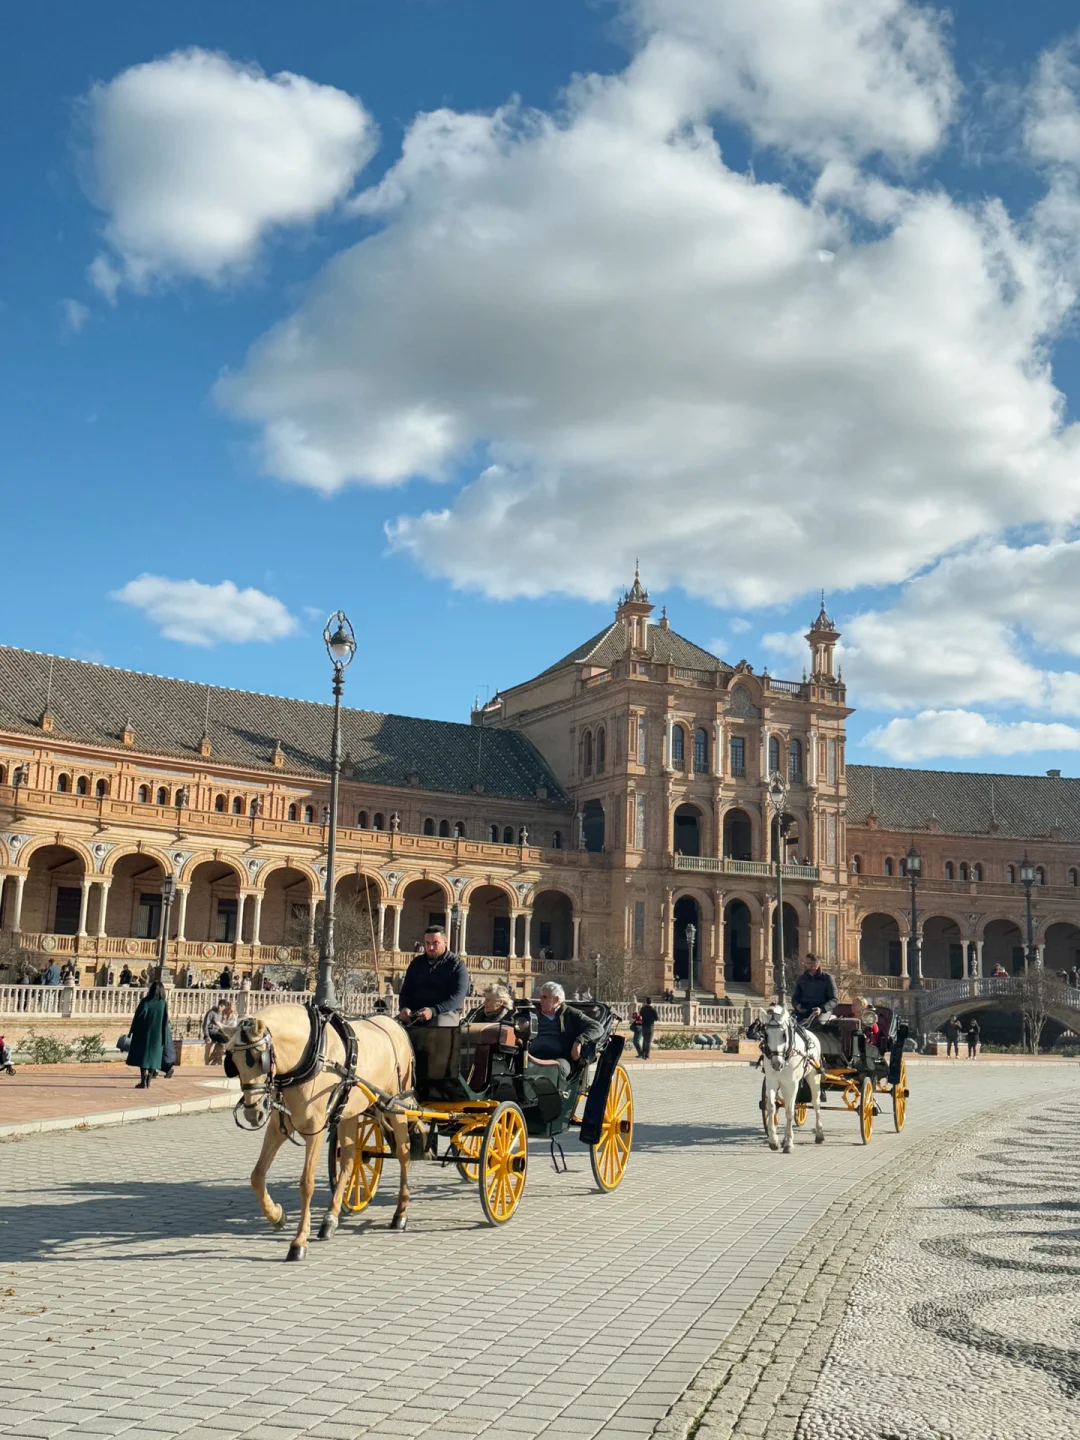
x=93, y=703
x=665, y=647
x=1019, y=806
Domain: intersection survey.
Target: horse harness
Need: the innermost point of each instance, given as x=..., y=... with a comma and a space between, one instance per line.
x=779, y=1058
x=260, y=1055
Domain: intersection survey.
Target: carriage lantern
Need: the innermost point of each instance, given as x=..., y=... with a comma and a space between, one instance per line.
x=340, y=640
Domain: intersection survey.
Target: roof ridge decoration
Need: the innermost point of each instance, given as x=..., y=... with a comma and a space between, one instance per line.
x=637, y=594
x=823, y=622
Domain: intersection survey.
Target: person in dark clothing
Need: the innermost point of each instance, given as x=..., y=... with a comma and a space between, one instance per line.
x=561, y=1030
x=813, y=1001
x=649, y=1018
x=973, y=1034
x=952, y=1029
x=436, y=984
x=150, y=1036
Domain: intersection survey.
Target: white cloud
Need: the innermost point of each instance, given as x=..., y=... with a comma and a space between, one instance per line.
x=194, y=158
x=198, y=614
x=75, y=315
x=964, y=734
x=628, y=346
x=1052, y=122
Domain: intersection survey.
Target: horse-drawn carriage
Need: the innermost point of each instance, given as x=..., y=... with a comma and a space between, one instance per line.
x=482, y=1098
x=863, y=1060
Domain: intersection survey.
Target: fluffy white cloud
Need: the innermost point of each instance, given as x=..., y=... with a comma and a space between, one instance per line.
x=75, y=315
x=1052, y=123
x=194, y=158
x=199, y=614
x=632, y=348
x=963, y=734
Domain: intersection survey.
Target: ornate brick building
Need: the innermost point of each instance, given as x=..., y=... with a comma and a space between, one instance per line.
x=610, y=802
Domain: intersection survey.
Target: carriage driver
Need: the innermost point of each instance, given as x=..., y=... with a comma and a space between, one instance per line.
x=435, y=985
x=813, y=1001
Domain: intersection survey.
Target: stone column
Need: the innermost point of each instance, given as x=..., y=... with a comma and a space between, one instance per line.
x=514, y=953
x=240, y=907
x=667, y=920
x=395, y=929
x=669, y=725
x=526, y=927
x=905, y=947
x=16, y=912
x=718, y=750
x=311, y=924
x=381, y=924
x=463, y=948
x=256, y=922
x=84, y=905
x=1039, y=953
x=577, y=939
x=103, y=906
x=181, y=910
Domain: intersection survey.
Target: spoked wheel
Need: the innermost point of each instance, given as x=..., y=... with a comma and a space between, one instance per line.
x=465, y=1148
x=611, y=1153
x=367, y=1164
x=800, y=1113
x=503, y=1162
x=764, y=1102
x=899, y=1097
x=866, y=1109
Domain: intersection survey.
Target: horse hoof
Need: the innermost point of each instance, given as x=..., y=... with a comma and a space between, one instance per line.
x=399, y=1222
x=787, y=1149
x=774, y=1144
x=819, y=1139
x=327, y=1228
x=296, y=1252
x=280, y=1221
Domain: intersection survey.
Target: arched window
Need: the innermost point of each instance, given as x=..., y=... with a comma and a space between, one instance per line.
x=701, y=751
x=976, y=872
x=220, y=804
x=459, y=829
x=63, y=784
x=361, y=820
x=856, y=864
x=774, y=754
x=902, y=869
x=493, y=834
x=379, y=822
x=586, y=753
x=601, y=750
x=101, y=789
x=444, y=829
x=429, y=826
x=1010, y=875
x=1040, y=875
x=678, y=747
x=162, y=797
x=309, y=814
x=642, y=741
x=1072, y=877
x=508, y=835
x=237, y=805
x=950, y=870
x=292, y=812
x=556, y=841
x=795, y=764
x=3, y=774
x=82, y=785
x=144, y=794
x=888, y=867
x=963, y=870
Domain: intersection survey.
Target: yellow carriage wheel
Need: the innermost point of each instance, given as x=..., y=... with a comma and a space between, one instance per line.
x=866, y=1109
x=367, y=1165
x=800, y=1113
x=466, y=1148
x=503, y=1163
x=611, y=1153
x=899, y=1097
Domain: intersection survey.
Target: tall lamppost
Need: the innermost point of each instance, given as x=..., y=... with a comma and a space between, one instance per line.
x=168, y=894
x=691, y=936
x=914, y=869
x=778, y=802
x=341, y=647
x=1027, y=876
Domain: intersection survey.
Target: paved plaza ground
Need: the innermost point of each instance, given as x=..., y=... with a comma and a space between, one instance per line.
x=141, y=1295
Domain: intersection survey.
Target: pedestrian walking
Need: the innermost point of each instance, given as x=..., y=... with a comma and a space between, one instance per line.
x=6, y=1062
x=635, y=1032
x=973, y=1033
x=52, y=974
x=649, y=1018
x=952, y=1037
x=215, y=1031
x=150, y=1035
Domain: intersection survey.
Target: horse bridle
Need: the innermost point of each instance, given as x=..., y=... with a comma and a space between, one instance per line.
x=778, y=1058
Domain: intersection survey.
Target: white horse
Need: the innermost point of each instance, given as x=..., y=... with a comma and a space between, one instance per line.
x=788, y=1056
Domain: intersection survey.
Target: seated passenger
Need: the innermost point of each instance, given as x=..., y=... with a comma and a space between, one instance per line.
x=498, y=1005
x=494, y=1022
x=561, y=1030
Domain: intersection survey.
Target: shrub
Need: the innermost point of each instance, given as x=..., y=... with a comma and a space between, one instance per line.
x=676, y=1040
x=44, y=1050
x=88, y=1048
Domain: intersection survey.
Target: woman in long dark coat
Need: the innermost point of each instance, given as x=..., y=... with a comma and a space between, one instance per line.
x=149, y=1032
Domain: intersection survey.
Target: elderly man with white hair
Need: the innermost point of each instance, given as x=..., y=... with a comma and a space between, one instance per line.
x=561, y=1030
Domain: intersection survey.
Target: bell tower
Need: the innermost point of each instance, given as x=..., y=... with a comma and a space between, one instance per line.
x=822, y=638
x=633, y=611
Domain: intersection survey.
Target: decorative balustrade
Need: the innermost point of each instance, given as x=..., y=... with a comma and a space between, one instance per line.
x=722, y=865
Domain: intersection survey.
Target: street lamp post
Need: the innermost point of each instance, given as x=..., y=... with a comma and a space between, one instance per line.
x=778, y=801
x=691, y=936
x=341, y=647
x=1027, y=876
x=914, y=869
x=168, y=894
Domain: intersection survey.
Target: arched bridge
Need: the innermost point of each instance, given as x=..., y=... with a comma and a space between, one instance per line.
x=1061, y=1002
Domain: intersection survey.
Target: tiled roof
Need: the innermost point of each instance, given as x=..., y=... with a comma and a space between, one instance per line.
x=665, y=647
x=93, y=703
x=964, y=804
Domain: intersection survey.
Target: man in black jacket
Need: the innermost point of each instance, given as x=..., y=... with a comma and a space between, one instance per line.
x=648, y=1021
x=435, y=985
x=813, y=1001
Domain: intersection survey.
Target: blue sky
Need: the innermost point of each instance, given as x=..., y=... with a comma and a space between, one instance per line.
x=127, y=455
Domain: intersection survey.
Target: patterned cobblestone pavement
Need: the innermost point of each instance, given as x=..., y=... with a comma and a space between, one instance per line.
x=142, y=1296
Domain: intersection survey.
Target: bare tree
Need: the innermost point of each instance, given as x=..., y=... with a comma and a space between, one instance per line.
x=613, y=972
x=353, y=967
x=1033, y=995
x=16, y=960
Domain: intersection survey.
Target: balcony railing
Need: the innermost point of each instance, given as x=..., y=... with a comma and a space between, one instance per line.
x=722, y=865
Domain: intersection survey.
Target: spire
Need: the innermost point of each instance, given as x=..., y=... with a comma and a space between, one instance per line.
x=634, y=610
x=822, y=622
x=822, y=637
x=637, y=594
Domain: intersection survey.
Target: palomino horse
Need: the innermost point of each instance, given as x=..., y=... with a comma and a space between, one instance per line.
x=292, y=1071
x=788, y=1057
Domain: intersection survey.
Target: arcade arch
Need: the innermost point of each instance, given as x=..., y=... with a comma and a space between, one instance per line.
x=942, y=948
x=552, y=927
x=738, y=835
x=880, y=946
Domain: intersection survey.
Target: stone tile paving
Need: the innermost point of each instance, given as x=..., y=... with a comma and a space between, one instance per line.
x=141, y=1296
x=67, y=1093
